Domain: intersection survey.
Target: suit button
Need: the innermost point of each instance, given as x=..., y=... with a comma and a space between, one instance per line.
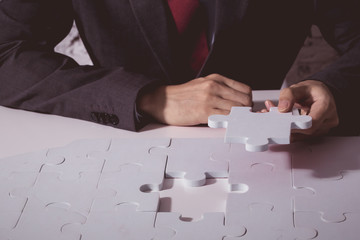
x=114, y=120
x=105, y=118
x=95, y=116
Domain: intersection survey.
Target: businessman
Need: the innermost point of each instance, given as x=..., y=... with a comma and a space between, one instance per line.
x=177, y=61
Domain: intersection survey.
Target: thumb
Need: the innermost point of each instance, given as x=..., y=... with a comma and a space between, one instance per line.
x=286, y=100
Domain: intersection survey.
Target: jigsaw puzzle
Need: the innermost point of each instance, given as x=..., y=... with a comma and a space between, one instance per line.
x=257, y=130
x=109, y=189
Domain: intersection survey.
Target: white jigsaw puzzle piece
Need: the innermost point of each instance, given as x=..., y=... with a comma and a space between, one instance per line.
x=134, y=185
x=263, y=222
x=121, y=222
x=331, y=168
x=29, y=162
x=134, y=151
x=348, y=229
x=11, y=207
x=192, y=159
x=257, y=130
x=76, y=158
x=79, y=194
x=210, y=227
x=264, y=179
x=267, y=176
x=40, y=221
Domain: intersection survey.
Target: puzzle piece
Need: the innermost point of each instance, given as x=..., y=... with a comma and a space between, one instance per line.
x=348, y=229
x=19, y=172
x=211, y=227
x=267, y=193
x=329, y=167
x=79, y=194
x=30, y=162
x=132, y=184
x=136, y=151
x=40, y=221
x=262, y=221
x=257, y=130
x=11, y=207
x=122, y=222
x=266, y=175
x=76, y=159
x=192, y=159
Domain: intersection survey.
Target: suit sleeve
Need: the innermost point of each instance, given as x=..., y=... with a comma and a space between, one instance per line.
x=33, y=77
x=339, y=22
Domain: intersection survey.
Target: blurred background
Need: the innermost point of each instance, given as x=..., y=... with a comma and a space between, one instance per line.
x=314, y=56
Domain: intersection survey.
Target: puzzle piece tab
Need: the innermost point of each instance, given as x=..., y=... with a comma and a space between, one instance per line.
x=257, y=130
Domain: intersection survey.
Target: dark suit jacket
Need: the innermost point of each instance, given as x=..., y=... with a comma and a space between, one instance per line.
x=132, y=44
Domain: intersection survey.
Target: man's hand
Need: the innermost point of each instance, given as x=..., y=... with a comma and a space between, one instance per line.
x=314, y=99
x=193, y=102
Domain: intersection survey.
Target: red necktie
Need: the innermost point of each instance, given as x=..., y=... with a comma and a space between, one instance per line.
x=191, y=27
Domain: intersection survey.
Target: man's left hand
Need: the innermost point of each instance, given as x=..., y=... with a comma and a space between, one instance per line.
x=314, y=99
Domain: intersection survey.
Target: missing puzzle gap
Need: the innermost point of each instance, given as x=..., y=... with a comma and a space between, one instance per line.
x=193, y=202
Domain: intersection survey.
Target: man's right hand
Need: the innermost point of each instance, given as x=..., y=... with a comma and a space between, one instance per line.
x=193, y=102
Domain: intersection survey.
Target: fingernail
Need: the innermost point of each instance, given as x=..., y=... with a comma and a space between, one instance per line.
x=283, y=105
x=267, y=104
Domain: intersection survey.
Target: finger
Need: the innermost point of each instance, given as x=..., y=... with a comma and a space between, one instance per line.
x=286, y=100
x=233, y=95
x=319, y=115
x=269, y=104
x=224, y=104
x=289, y=96
x=238, y=86
x=220, y=112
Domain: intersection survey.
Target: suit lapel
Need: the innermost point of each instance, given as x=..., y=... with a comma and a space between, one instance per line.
x=152, y=19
